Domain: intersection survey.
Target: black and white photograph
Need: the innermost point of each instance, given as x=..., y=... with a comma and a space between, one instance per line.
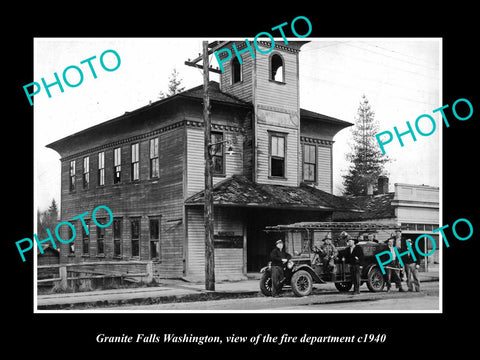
x=295, y=165
x=263, y=181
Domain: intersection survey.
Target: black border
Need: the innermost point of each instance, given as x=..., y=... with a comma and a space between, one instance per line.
x=406, y=333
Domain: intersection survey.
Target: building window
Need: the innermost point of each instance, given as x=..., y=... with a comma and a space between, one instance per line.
x=71, y=245
x=217, y=153
x=86, y=238
x=101, y=168
x=236, y=71
x=135, y=232
x=309, y=162
x=86, y=172
x=135, y=163
x=101, y=237
x=154, y=238
x=117, y=237
x=154, y=164
x=117, y=165
x=277, y=71
x=72, y=175
x=277, y=155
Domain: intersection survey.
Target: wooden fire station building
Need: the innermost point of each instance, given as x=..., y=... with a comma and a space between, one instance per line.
x=147, y=166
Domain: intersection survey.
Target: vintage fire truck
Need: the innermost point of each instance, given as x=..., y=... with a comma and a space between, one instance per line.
x=306, y=266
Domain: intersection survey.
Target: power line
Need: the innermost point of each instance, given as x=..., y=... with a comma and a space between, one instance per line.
x=349, y=43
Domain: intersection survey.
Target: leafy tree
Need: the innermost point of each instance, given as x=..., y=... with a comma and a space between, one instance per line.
x=366, y=159
x=174, y=85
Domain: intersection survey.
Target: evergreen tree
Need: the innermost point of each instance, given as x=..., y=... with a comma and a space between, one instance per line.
x=174, y=85
x=47, y=220
x=366, y=158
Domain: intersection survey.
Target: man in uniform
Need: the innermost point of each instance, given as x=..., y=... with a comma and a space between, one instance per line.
x=278, y=256
x=353, y=255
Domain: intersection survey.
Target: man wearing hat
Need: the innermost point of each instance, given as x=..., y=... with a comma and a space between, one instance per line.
x=278, y=256
x=329, y=252
x=353, y=255
x=392, y=272
x=411, y=268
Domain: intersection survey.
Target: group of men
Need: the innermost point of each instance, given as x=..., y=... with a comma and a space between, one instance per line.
x=326, y=254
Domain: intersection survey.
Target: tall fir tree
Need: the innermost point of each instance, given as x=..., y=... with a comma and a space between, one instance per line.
x=366, y=159
x=174, y=85
x=47, y=220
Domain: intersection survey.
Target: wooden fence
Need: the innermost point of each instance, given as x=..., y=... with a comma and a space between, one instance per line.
x=98, y=270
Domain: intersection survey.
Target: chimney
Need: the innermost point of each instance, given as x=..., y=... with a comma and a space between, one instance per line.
x=382, y=184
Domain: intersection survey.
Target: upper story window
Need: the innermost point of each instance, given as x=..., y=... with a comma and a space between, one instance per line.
x=117, y=165
x=217, y=153
x=277, y=68
x=101, y=168
x=154, y=164
x=309, y=162
x=135, y=162
x=277, y=155
x=236, y=71
x=72, y=176
x=86, y=172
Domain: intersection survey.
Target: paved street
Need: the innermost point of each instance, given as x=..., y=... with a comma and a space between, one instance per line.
x=324, y=297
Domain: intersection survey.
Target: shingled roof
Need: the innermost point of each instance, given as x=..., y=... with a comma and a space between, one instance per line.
x=214, y=94
x=374, y=206
x=239, y=191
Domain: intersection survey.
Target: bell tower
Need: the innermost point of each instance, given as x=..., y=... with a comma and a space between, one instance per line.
x=268, y=77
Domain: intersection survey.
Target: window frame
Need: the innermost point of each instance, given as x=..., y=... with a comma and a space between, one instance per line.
x=233, y=64
x=101, y=237
x=86, y=172
x=86, y=238
x=101, y=168
x=71, y=176
x=154, y=158
x=135, y=162
x=117, y=165
x=135, y=242
x=222, y=156
x=152, y=240
x=117, y=239
x=315, y=164
x=270, y=68
x=271, y=135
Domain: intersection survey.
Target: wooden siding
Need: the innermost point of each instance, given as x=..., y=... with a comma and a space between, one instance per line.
x=244, y=88
x=324, y=172
x=324, y=167
x=271, y=93
x=162, y=197
x=195, y=175
x=228, y=262
x=291, y=155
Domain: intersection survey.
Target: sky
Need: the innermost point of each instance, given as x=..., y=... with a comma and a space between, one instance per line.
x=400, y=77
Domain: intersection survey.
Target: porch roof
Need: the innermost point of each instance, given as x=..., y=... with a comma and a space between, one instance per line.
x=238, y=191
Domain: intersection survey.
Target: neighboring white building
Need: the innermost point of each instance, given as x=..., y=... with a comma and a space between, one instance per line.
x=414, y=207
x=417, y=210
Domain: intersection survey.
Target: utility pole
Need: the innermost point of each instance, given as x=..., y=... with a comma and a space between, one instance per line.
x=208, y=205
